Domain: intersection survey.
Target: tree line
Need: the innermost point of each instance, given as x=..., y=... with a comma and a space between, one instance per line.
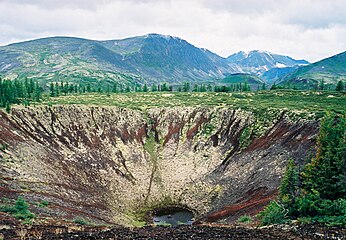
x=64, y=88
x=320, y=86
x=28, y=90
x=17, y=91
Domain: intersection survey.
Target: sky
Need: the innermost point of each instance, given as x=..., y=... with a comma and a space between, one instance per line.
x=302, y=29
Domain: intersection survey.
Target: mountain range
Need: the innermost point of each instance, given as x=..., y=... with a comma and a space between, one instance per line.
x=151, y=58
x=258, y=62
x=329, y=70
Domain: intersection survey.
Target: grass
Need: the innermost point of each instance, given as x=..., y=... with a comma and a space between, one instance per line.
x=139, y=224
x=303, y=101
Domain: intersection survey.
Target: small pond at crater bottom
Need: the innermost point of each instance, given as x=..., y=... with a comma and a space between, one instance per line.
x=174, y=218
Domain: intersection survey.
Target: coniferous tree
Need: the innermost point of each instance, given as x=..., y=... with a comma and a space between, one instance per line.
x=37, y=92
x=246, y=87
x=108, y=90
x=145, y=88
x=154, y=88
x=88, y=89
x=115, y=88
x=186, y=87
x=52, y=89
x=264, y=86
x=322, y=85
x=164, y=87
x=57, y=92
x=289, y=184
x=340, y=86
x=326, y=173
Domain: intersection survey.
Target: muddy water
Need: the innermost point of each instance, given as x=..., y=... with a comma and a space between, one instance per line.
x=179, y=217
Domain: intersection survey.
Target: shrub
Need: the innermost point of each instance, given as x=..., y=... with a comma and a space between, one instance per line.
x=311, y=205
x=274, y=213
x=43, y=204
x=244, y=219
x=20, y=210
x=307, y=205
x=80, y=221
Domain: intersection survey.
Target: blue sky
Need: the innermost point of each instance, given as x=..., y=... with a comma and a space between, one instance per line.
x=309, y=29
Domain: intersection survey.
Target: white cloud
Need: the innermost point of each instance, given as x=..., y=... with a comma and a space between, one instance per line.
x=299, y=28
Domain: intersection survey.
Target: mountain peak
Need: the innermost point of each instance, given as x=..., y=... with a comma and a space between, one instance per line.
x=260, y=61
x=162, y=36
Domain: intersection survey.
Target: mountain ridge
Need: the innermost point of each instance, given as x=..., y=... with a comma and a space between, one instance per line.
x=329, y=70
x=151, y=58
x=260, y=61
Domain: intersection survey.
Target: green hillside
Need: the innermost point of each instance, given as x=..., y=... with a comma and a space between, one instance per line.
x=330, y=70
x=241, y=78
x=62, y=59
x=152, y=58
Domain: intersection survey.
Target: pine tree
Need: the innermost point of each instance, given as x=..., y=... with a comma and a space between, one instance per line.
x=88, y=89
x=154, y=88
x=186, y=87
x=289, y=184
x=145, y=88
x=115, y=88
x=327, y=171
x=246, y=87
x=340, y=86
x=57, y=92
x=264, y=86
x=51, y=89
x=164, y=87
x=322, y=85
x=37, y=92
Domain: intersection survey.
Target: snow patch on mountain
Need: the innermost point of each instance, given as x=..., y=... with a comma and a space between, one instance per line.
x=280, y=65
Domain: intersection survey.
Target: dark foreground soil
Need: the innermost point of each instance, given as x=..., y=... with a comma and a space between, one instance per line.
x=181, y=232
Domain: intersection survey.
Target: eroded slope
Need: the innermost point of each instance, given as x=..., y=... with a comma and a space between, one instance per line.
x=106, y=164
